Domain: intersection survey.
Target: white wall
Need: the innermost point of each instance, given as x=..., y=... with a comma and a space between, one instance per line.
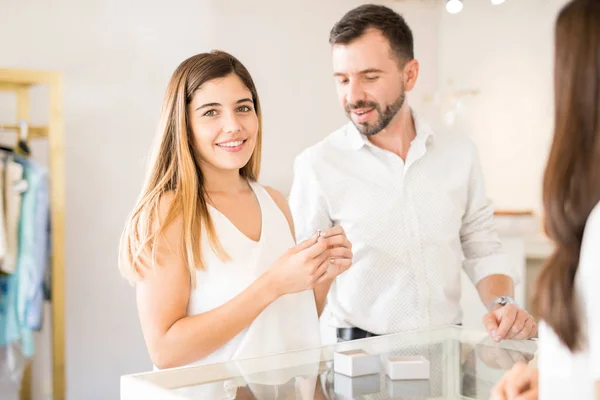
x=290, y=61
x=116, y=57
x=511, y=118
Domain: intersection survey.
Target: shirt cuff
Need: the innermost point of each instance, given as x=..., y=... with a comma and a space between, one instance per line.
x=496, y=264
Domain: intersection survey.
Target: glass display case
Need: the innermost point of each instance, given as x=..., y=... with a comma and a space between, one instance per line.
x=463, y=364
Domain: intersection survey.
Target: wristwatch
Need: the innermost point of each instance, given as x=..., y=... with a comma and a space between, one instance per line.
x=502, y=300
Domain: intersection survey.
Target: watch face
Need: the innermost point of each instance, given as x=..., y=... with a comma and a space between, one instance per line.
x=504, y=300
x=507, y=300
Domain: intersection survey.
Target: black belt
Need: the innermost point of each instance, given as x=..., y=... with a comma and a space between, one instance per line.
x=346, y=334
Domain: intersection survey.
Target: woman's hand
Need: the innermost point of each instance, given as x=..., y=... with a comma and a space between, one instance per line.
x=299, y=268
x=520, y=383
x=316, y=260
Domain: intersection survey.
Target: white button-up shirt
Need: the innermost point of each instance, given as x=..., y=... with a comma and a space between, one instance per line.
x=413, y=225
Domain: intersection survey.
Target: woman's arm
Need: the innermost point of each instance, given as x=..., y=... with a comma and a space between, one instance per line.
x=175, y=339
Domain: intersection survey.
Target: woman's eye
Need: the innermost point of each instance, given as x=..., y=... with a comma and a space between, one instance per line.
x=245, y=109
x=210, y=113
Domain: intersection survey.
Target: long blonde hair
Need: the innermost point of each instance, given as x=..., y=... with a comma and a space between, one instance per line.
x=175, y=170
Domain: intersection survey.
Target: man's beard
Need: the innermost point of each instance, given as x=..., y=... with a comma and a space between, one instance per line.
x=384, y=119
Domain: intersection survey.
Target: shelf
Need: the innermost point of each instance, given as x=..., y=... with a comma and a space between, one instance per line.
x=34, y=132
x=11, y=87
x=23, y=77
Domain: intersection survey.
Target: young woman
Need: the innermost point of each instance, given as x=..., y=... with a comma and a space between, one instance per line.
x=568, y=291
x=212, y=253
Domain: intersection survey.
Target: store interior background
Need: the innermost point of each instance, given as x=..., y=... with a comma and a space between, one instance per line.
x=485, y=72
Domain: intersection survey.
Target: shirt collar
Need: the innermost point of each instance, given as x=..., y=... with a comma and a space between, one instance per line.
x=358, y=140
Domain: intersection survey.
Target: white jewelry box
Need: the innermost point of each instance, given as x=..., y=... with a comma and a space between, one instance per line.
x=412, y=389
x=350, y=388
x=406, y=367
x=355, y=363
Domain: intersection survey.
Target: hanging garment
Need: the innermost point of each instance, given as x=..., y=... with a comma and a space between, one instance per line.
x=10, y=327
x=21, y=305
x=14, y=186
x=33, y=255
x=3, y=244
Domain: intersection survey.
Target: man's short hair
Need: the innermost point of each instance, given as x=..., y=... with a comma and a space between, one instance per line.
x=391, y=24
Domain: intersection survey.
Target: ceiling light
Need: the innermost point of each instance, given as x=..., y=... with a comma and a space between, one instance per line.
x=454, y=6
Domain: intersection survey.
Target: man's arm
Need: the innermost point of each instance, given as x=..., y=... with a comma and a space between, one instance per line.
x=321, y=291
x=309, y=212
x=485, y=262
x=494, y=286
x=486, y=265
x=504, y=321
x=341, y=259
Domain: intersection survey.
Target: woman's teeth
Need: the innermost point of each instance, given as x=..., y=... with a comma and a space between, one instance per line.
x=231, y=144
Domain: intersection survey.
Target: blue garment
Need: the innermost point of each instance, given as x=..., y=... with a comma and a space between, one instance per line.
x=9, y=322
x=21, y=293
x=33, y=254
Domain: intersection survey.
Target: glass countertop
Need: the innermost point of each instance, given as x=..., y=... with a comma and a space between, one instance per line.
x=464, y=364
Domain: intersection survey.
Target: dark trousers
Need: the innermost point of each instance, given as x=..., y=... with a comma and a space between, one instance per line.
x=347, y=334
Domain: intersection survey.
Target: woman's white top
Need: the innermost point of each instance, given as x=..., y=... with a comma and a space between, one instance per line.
x=566, y=375
x=289, y=323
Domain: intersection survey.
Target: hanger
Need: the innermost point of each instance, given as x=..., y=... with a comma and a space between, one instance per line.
x=22, y=147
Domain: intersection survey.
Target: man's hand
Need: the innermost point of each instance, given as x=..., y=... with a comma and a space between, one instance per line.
x=510, y=322
x=339, y=250
x=339, y=259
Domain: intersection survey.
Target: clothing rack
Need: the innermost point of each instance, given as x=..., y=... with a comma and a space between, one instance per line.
x=20, y=82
